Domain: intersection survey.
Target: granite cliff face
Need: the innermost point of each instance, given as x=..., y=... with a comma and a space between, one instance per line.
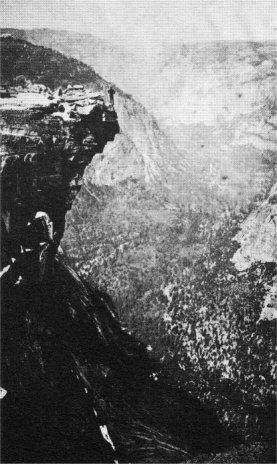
x=46, y=146
x=142, y=152
x=78, y=387
x=258, y=244
x=257, y=237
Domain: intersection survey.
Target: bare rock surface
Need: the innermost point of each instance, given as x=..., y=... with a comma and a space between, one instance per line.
x=258, y=244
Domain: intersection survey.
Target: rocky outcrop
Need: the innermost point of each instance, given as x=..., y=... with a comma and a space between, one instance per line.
x=257, y=237
x=76, y=387
x=46, y=144
x=258, y=244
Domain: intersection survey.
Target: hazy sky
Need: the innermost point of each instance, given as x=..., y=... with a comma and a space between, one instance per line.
x=144, y=24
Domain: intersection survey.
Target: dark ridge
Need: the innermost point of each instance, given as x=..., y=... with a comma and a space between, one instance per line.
x=42, y=65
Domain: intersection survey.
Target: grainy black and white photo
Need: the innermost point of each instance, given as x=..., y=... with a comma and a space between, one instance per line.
x=138, y=231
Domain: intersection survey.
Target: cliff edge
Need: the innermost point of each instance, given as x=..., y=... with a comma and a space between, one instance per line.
x=78, y=387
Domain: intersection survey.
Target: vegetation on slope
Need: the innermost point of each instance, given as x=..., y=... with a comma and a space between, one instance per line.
x=168, y=269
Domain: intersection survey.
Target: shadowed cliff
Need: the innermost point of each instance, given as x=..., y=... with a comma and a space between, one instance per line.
x=79, y=387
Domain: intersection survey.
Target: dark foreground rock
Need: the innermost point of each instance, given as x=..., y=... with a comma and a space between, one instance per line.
x=81, y=389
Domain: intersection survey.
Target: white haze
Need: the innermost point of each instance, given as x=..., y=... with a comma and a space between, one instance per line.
x=143, y=26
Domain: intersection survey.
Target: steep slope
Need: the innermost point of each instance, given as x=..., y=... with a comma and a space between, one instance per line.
x=143, y=152
x=79, y=387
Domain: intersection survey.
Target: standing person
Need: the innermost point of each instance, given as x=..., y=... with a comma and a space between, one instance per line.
x=111, y=93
